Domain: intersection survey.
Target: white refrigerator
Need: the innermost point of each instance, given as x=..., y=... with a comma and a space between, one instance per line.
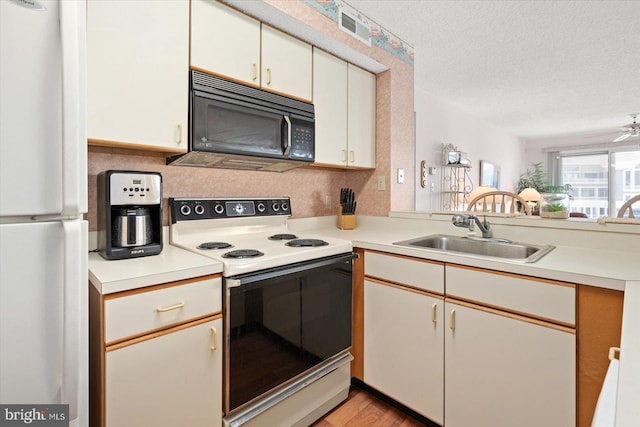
x=43, y=195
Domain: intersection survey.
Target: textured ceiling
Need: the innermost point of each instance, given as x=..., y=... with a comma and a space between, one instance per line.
x=535, y=68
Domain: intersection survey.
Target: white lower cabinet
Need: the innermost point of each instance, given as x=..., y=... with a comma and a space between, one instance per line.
x=169, y=380
x=496, y=349
x=403, y=347
x=501, y=371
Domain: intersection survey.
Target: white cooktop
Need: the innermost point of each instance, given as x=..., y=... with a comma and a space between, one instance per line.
x=251, y=233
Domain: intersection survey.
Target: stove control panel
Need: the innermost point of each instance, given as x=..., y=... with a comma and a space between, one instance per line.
x=194, y=209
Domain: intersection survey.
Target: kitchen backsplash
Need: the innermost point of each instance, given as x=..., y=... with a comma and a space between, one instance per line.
x=307, y=187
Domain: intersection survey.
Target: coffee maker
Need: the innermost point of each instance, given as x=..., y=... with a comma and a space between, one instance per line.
x=129, y=214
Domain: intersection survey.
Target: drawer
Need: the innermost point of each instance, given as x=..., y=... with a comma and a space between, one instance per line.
x=133, y=314
x=407, y=271
x=544, y=299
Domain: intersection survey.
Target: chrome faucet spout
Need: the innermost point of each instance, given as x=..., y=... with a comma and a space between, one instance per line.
x=470, y=221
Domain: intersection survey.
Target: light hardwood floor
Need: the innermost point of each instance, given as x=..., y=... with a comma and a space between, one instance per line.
x=364, y=409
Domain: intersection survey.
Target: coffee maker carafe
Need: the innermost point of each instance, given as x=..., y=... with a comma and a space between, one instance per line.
x=129, y=214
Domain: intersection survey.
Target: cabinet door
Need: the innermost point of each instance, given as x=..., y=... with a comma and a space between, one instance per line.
x=330, y=102
x=500, y=371
x=137, y=72
x=286, y=64
x=170, y=380
x=403, y=347
x=362, y=117
x=225, y=42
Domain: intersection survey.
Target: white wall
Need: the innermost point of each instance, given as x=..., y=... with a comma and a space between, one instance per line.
x=438, y=122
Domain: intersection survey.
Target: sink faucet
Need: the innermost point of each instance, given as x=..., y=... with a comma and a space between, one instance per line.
x=470, y=221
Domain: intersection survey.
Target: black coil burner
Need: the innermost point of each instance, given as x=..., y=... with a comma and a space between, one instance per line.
x=306, y=242
x=283, y=237
x=215, y=245
x=242, y=253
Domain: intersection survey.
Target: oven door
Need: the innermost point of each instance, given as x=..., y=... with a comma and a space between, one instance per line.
x=225, y=125
x=282, y=322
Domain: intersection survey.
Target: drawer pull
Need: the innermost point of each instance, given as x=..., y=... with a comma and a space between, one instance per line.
x=255, y=72
x=173, y=307
x=214, y=343
x=434, y=309
x=179, y=128
x=452, y=320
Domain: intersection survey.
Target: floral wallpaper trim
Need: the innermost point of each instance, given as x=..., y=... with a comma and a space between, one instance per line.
x=380, y=37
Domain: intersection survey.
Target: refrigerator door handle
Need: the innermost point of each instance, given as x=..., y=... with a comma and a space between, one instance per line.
x=74, y=134
x=75, y=316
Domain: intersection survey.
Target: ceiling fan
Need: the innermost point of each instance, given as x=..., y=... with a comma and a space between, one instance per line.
x=632, y=129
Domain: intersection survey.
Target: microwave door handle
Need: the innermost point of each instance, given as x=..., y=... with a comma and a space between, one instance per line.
x=287, y=146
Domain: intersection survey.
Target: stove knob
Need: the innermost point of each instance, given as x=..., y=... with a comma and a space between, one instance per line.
x=285, y=206
x=261, y=207
x=275, y=207
x=185, y=210
x=199, y=209
x=219, y=209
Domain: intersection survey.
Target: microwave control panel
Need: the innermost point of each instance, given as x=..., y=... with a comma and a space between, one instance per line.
x=302, y=141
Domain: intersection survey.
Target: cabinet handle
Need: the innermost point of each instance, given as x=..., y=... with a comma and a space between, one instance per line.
x=214, y=342
x=179, y=134
x=434, y=309
x=452, y=320
x=344, y=156
x=255, y=72
x=173, y=307
x=268, y=76
x=352, y=154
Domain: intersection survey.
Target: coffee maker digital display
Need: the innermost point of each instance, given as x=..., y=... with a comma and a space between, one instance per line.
x=129, y=214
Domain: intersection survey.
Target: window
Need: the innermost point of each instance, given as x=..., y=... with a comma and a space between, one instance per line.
x=601, y=181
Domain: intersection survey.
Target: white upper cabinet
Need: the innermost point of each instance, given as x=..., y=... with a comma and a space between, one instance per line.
x=330, y=102
x=137, y=73
x=344, y=97
x=225, y=41
x=230, y=44
x=286, y=64
x=362, y=117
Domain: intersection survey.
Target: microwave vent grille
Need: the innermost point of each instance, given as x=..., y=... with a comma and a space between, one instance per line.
x=212, y=84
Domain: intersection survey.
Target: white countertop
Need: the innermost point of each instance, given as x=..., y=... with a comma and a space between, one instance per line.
x=591, y=254
x=171, y=264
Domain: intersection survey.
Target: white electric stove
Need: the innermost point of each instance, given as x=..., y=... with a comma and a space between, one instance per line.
x=287, y=308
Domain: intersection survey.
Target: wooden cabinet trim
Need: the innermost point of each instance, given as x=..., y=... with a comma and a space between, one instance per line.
x=160, y=286
x=524, y=317
x=161, y=330
x=158, y=333
x=513, y=275
x=404, y=287
x=129, y=146
x=357, y=341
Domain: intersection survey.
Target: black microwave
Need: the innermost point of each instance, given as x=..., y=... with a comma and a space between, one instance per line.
x=241, y=127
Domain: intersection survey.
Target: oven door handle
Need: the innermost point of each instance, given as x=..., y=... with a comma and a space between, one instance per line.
x=235, y=281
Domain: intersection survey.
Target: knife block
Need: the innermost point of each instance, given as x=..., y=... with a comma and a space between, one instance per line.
x=346, y=222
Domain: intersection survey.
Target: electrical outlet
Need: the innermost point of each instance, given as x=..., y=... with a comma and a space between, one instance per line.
x=382, y=185
x=327, y=202
x=400, y=176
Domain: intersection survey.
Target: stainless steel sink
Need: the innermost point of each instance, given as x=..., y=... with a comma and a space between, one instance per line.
x=494, y=248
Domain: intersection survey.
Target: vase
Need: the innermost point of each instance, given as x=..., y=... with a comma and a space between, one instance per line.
x=554, y=205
